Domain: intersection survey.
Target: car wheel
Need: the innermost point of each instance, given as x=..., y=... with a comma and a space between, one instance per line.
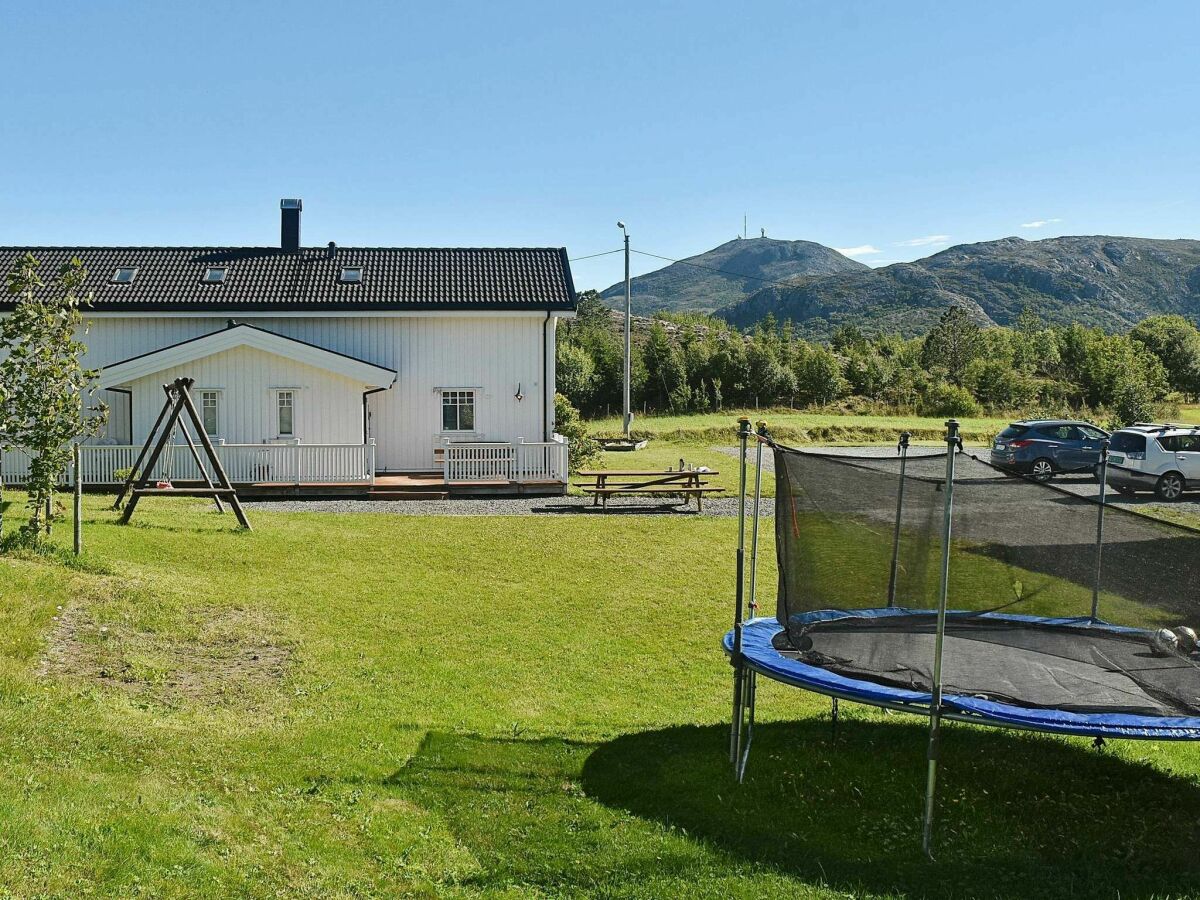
x=1042, y=469
x=1169, y=487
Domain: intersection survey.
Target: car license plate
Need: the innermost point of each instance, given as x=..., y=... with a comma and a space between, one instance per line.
x=1116, y=458
x=999, y=445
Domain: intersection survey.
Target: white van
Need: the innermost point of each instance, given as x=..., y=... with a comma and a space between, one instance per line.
x=1164, y=459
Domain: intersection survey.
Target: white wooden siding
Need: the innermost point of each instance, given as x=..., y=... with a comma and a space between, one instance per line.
x=492, y=353
x=328, y=407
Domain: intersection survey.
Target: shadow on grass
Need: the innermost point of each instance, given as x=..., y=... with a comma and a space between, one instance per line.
x=658, y=812
x=1017, y=814
x=641, y=509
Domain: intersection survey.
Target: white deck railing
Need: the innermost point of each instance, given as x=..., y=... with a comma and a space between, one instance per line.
x=104, y=464
x=516, y=462
x=503, y=461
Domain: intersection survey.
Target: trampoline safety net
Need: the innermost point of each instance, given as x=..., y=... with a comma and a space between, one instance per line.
x=860, y=546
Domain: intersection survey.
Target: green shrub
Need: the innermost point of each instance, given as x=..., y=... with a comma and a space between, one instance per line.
x=945, y=399
x=582, y=449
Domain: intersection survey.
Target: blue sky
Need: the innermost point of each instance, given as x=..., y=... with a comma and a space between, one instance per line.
x=897, y=128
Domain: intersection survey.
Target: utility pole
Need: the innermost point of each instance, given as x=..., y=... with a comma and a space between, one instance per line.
x=628, y=419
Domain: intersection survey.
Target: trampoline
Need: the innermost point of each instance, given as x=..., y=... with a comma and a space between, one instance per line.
x=933, y=583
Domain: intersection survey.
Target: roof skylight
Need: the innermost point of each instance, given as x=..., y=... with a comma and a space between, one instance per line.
x=351, y=275
x=124, y=275
x=215, y=274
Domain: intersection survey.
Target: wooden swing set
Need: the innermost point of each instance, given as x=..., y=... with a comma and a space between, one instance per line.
x=170, y=419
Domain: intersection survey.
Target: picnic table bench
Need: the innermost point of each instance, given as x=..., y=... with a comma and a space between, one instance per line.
x=685, y=483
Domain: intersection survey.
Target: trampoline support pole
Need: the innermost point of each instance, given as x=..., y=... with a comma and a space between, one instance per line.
x=953, y=442
x=902, y=449
x=1100, y=531
x=751, y=694
x=735, y=731
x=758, y=456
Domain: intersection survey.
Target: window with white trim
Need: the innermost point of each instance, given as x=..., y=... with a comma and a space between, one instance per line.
x=458, y=410
x=210, y=412
x=124, y=275
x=285, y=413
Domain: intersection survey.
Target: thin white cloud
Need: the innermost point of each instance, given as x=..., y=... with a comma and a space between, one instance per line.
x=927, y=241
x=862, y=250
x=1039, y=223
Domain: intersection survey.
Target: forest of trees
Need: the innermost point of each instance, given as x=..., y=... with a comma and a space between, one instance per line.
x=694, y=363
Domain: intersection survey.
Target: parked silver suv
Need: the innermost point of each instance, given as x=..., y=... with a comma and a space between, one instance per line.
x=1163, y=458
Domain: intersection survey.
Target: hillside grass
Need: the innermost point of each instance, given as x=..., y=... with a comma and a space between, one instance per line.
x=796, y=427
x=374, y=705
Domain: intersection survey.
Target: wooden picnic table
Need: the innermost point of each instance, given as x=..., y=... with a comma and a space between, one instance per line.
x=685, y=483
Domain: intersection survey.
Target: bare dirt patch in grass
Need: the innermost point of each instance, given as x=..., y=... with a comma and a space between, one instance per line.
x=225, y=659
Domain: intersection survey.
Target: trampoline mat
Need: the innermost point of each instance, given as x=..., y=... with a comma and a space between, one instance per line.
x=1023, y=661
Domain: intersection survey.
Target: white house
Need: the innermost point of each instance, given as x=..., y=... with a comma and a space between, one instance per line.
x=332, y=365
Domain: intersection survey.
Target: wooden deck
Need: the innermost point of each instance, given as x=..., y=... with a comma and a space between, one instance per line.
x=387, y=486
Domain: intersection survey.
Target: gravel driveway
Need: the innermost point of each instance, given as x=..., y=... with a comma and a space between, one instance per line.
x=556, y=506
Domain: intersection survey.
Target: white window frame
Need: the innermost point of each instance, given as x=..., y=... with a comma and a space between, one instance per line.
x=277, y=395
x=219, y=397
x=444, y=394
x=132, y=270
x=224, y=270
x=345, y=278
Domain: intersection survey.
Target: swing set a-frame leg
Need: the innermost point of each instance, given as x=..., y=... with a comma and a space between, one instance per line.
x=222, y=479
x=143, y=475
x=179, y=401
x=196, y=457
x=137, y=466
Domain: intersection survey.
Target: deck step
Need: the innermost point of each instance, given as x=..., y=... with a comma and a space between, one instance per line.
x=409, y=494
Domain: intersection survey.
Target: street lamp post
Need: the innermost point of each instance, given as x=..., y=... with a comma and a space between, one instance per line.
x=628, y=417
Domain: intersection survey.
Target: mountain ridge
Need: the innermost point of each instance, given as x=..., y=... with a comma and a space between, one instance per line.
x=1105, y=280
x=727, y=274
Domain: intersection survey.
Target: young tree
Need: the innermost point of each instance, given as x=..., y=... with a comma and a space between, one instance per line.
x=1176, y=343
x=951, y=344
x=43, y=386
x=575, y=373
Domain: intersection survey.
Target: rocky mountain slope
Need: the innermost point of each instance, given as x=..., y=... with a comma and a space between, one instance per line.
x=728, y=274
x=1113, y=282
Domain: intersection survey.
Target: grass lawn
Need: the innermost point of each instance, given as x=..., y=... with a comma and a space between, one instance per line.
x=374, y=705
x=800, y=427
x=1190, y=414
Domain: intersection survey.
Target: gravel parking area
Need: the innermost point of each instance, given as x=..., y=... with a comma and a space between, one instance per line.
x=533, y=506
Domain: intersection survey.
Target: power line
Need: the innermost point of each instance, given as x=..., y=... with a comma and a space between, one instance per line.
x=594, y=255
x=684, y=262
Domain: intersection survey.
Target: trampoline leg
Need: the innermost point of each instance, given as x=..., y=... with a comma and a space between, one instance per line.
x=927, y=825
x=833, y=718
x=751, y=693
x=735, y=729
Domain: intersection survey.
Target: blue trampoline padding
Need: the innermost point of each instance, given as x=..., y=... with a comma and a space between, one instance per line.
x=760, y=654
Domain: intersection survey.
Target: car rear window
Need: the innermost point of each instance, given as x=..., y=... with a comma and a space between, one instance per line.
x=1013, y=431
x=1127, y=442
x=1180, y=443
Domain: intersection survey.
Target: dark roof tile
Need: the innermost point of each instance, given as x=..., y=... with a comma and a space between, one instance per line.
x=267, y=278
